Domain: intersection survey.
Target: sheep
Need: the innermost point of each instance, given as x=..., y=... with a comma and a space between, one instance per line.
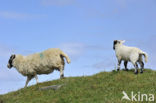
x=131, y=54
x=39, y=63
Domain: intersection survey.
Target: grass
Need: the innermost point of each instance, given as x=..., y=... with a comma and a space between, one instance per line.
x=104, y=87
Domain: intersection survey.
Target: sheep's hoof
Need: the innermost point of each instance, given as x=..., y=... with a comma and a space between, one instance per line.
x=136, y=72
x=125, y=69
x=62, y=77
x=141, y=72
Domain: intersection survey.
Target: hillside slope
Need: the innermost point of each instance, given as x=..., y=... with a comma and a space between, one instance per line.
x=104, y=87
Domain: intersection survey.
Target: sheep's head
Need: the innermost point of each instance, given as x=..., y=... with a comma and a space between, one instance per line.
x=10, y=62
x=116, y=42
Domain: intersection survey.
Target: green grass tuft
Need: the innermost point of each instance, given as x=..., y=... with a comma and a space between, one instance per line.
x=104, y=87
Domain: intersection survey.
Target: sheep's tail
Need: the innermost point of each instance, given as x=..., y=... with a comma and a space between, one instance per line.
x=67, y=58
x=145, y=55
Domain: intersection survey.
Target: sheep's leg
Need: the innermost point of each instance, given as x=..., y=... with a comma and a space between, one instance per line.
x=125, y=64
x=142, y=66
x=36, y=78
x=61, y=68
x=61, y=73
x=119, y=63
x=136, y=68
x=27, y=82
x=28, y=79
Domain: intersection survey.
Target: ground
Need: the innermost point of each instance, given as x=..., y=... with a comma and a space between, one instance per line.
x=104, y=87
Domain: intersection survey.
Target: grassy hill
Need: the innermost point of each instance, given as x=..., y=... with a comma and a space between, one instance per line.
x=104, y=87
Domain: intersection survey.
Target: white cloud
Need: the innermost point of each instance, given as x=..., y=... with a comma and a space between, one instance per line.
x=96, y=47
x=122, y=3
x=5, y=51
x=125, y=3
x=74, y=50
x=13, y=15
x=57, y=2
x=17, y=15
x=108, y=63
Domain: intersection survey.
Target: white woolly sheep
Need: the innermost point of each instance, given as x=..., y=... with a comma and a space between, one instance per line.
x=39, y=63
x=131, y=54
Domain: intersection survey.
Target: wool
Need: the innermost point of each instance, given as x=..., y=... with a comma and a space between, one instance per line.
x=40, y=63
x=131, y=54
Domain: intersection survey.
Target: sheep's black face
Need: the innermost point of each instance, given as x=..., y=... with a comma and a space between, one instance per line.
x=115, y=42
x=10, y=65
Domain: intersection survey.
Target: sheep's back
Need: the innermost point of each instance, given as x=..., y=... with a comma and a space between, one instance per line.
x=41, y=63
x=124, y=52
x=47, y=57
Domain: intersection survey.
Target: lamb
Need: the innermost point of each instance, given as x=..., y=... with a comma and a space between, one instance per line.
x=39, y=63
x=132, y=54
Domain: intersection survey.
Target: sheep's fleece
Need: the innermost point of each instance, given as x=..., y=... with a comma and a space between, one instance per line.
x=131, y=54
x=39, y=63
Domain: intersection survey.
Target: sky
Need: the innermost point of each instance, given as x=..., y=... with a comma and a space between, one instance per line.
x=83, y=29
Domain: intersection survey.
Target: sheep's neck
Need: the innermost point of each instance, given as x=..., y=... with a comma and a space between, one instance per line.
x=117, y=47
x=18, y=61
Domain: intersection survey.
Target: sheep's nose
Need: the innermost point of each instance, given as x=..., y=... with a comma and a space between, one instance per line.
x=8, y=66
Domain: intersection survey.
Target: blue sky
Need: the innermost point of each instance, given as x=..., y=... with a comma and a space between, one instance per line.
x=84, y=29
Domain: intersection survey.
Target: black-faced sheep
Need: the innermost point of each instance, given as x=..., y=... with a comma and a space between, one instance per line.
x=39, y=63
x=131, y=54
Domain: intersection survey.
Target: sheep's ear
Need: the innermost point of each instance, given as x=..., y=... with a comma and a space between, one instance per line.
x=12, y=56
x=122, y=41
